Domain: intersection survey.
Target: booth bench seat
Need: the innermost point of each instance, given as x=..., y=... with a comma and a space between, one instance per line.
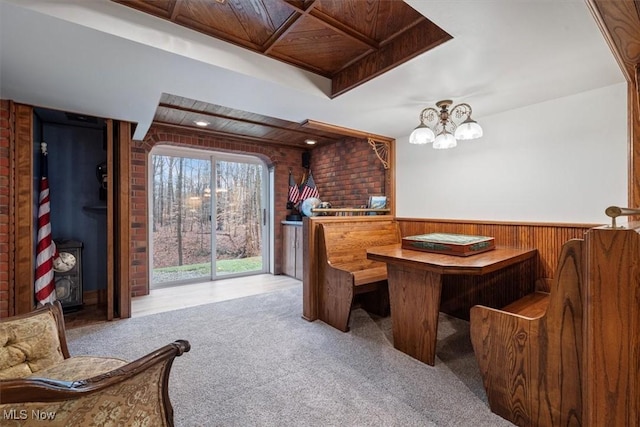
x=345, y=271
x=530, y=352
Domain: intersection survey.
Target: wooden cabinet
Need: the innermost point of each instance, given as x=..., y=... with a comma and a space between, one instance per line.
x=292, y=250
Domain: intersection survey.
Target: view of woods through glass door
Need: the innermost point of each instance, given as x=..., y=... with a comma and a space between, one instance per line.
x=207, y=215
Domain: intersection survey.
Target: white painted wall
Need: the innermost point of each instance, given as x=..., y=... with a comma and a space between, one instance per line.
x=563, y=160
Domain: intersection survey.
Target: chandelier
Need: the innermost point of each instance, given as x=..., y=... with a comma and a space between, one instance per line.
x=439, y=126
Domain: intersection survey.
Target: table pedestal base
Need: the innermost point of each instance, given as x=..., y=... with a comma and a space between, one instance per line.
x=415, y=305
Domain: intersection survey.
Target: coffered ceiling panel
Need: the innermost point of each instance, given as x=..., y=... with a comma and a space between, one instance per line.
x=347, y=41
x=375, y=19
x=251, y=25
x=331, y=49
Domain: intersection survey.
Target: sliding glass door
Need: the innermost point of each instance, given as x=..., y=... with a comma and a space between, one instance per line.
x=240, y=217
x=208, y=216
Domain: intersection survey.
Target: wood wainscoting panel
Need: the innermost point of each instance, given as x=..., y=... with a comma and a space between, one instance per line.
x=547, y=238
x=460, y=293
x=457, y=298
x=496, y=289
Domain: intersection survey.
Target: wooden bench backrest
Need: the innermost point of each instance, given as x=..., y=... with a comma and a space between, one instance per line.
x=560, y=341
x=348, y=242
x=566, y=287
x=532, y=367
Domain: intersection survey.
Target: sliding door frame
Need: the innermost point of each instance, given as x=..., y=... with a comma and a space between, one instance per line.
x=267, y=205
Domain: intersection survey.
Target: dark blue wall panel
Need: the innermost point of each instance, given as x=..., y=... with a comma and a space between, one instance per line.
x=74, y=153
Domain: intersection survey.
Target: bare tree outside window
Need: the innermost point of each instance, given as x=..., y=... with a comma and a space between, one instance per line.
x=182, y=205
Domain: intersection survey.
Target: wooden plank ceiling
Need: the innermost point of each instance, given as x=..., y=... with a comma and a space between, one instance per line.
x=183, y=113
x=347, y=41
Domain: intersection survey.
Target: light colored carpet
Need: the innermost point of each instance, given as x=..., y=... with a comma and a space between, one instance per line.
x=255, y=362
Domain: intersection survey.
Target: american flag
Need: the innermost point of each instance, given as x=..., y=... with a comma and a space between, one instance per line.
x=294, y=191
x=46, y=250
x=309, y=189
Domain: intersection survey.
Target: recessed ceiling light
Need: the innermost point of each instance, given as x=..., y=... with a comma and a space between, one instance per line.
x=310, y=141
x=201, y=123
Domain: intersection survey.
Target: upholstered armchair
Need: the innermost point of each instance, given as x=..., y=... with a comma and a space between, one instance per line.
x=40, y=381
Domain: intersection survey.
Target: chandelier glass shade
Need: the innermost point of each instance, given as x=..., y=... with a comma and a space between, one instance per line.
x=422, y=135
x=445, y=127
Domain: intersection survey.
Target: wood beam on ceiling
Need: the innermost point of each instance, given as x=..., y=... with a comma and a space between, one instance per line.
x=326, y=127
x=326, y=135
x=286, y=27
x=304, y=9
x=303, y=134
x=231, y=136
x=280, y=32
x=346, y=31
x=300, y=4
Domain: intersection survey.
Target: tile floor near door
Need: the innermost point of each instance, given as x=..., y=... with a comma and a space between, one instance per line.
x=182, y=296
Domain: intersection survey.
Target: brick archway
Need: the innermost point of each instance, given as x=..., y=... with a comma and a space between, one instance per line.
x=279, y=158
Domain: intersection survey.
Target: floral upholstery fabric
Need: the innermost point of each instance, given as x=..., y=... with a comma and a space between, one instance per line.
x=135, y=402
x=79, y=368
x=28, y=345
x=102, y=391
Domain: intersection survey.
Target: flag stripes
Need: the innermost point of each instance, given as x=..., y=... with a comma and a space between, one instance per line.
x=294, y=191
x=309, y=189
x=45, y=249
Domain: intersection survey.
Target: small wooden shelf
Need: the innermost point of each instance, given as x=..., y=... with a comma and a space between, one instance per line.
x=349, y=211
x=95, y=208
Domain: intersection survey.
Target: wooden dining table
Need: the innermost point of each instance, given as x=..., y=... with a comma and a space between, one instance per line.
x=415, y=285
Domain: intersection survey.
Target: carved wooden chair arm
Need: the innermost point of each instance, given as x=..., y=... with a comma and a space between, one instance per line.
x=34, y=389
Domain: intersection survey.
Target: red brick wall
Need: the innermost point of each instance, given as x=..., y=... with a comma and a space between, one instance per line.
x=336, y=167
x=5, y=177
x=347, y=173
x=281, y=158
